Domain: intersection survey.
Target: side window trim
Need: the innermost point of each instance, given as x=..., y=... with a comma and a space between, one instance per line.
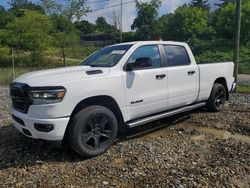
x=166, y=59
x=163, y=56
x=160, y=58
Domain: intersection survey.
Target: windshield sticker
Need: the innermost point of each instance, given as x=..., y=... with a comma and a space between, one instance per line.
x=120, y=52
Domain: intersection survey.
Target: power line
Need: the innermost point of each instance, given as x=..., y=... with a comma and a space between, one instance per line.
x=116, y=5
x=100, y=1
x=90, y=2
x=112, y=6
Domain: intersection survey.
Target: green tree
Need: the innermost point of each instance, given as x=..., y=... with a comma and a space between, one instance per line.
x=15, y=3
x=64, y=34
x=85, y=27
x=70, y=9
x=162, y=22
x=187, y=23
x=18, y=5
x=103, y=27
x=29, y=33
x=204, y=4
x=75, y=9
x=146, y=20
x=101, y=24
x=223, y=3
x=51, y=6
x=5, y=17
x=225, y=22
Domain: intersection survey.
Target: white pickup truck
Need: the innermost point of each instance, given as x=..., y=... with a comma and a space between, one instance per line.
x=120, y=86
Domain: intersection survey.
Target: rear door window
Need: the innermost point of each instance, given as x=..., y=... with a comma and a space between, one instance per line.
x=176, y=55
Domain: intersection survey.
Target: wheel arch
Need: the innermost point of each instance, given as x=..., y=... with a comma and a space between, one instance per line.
x=102, y=100
x=223, y=81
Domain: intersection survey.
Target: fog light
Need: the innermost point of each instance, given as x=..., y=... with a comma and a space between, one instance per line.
x=43, y=127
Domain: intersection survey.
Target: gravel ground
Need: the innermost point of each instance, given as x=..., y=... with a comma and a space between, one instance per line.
x=195, y=149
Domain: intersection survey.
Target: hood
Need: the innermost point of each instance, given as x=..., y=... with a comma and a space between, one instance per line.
x=58, y=76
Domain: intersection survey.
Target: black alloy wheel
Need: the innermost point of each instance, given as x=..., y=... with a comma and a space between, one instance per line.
x=220, y=97
x=93, y=130
x=98, y=131
x=217, y=98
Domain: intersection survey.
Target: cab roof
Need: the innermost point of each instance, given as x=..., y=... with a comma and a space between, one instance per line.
x=150, y=42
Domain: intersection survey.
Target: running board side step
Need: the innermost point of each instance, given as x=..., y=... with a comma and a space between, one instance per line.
x=141, y=121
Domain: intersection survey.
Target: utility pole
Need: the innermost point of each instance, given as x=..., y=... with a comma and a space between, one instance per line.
x=237, y=41
x=121, y=24
x=13, y=63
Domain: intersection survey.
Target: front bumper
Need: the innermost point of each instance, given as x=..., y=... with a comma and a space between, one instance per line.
x=26, y=125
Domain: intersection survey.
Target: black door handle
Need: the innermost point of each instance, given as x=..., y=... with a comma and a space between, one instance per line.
x=160, y=76
x=191, y=72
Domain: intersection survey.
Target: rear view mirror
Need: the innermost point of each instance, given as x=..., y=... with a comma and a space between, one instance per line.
x=141, y=62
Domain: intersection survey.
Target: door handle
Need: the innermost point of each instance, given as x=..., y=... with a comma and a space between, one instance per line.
x=191, y=72
x=160, y=76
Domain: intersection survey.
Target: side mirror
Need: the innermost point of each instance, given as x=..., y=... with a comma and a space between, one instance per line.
x=141, y=62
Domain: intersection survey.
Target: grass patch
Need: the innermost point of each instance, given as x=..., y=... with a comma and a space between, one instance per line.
x=76, y=52
x=243, y=89
x=51, y=57
x=6, y=74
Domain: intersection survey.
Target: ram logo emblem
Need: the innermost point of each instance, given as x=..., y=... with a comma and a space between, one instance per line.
x=138, y=101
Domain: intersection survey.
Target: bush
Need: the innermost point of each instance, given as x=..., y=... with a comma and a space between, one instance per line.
x=203, y=46
x=212, y=57
x=5, y=61
x=220, y=51
x=218, y=56
x=244, y=60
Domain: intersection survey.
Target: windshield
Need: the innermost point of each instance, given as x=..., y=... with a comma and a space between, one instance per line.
x=106, y=57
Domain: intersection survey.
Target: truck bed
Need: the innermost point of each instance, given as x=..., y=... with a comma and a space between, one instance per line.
x=210, y=71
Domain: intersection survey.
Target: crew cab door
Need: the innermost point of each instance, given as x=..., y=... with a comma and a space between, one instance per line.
x=145, y=88
x=183, y=76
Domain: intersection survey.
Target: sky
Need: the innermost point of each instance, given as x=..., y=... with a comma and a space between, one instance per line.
x=129, y=9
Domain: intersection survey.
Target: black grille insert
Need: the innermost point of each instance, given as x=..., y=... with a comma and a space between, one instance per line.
x=20, y=98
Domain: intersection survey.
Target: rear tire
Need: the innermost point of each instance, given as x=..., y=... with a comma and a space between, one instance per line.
x=217, y=98
x=93, y=130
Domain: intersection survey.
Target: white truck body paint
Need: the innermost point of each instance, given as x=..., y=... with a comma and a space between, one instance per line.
x=150, y=95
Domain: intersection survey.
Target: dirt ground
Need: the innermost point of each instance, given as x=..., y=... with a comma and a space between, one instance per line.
x=194, y=149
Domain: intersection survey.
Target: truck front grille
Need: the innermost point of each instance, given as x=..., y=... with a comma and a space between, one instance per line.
x=20, y=98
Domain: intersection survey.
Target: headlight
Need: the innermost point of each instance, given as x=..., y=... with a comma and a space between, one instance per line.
x=47, y=95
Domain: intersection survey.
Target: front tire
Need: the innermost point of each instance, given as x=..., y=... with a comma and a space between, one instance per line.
x=93, y=130
x=217, y=98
